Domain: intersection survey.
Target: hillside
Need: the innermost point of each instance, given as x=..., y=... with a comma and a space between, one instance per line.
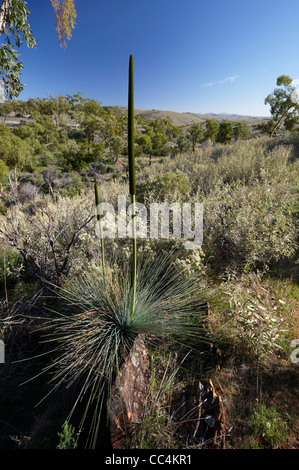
x=186, y=119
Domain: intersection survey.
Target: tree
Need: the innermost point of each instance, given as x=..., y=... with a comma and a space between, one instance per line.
x=4, y=170
x=158, y=141
x=266, y=127
x=14, y=29
x=117, y=144
x=225, y=132
x=240, y=131
x=211, y=130
x=284, y=106
x=58, y=107
x=80, y=156
x=181, y=142
x=195, y=134
x=16, y=153
x=146, y=145
x=5, y=110
x=91, y=126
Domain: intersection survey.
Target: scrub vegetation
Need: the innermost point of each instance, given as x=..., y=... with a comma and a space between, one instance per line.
x=72, y=304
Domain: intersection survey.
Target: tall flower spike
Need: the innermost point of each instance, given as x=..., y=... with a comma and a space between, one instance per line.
x=132, y=178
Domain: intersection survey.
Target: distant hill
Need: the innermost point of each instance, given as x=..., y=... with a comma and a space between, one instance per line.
x=186, y=119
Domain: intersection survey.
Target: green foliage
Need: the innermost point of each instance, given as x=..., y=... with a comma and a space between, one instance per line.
x=167, y=186
x=181, y=142
x=245, y=227
x=284, y=106
x=67, y=438
x=268, y=427
x=240, y=131
x=257, y=317
x=75, y=187
x=90, y=126
x=5, y=109
x=158, y=144
x=80, y=156
x=211, y=130
x=266, y=127
x=15, y=29
x=4, y=170
x=11, y=267
x=195, y=134
x=225, y=132
x=145, y=142
x=16, y=153
x=65, y=19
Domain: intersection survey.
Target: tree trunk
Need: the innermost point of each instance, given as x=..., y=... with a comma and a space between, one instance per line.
x=3, y=12
x=128, y=394
x=278, y=123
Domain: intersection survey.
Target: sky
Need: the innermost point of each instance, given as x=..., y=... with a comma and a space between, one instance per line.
x=200, y=56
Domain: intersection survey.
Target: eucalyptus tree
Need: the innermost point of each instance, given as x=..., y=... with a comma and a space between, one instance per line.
x=225, y=132
x=17, y=154
x=195, y=134
x=182, y=144
x=240, y=131
x=211, y=130
x=15, y=29
x=284, y=104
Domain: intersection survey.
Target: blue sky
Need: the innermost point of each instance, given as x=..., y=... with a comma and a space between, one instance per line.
x=189, y=55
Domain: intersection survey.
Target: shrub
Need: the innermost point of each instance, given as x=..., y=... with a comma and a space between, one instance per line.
x=67, y=438
x=247, y=226
x=256, y=315
x=268, y=427
x=168, y=186
x=74, y=187
x=3, y=209
x=11, y=267
x=47, y=235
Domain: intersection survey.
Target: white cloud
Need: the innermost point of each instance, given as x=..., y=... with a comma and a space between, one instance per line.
x=219, y=82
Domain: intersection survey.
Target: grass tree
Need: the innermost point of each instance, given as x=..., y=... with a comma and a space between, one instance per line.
x=100, y=317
